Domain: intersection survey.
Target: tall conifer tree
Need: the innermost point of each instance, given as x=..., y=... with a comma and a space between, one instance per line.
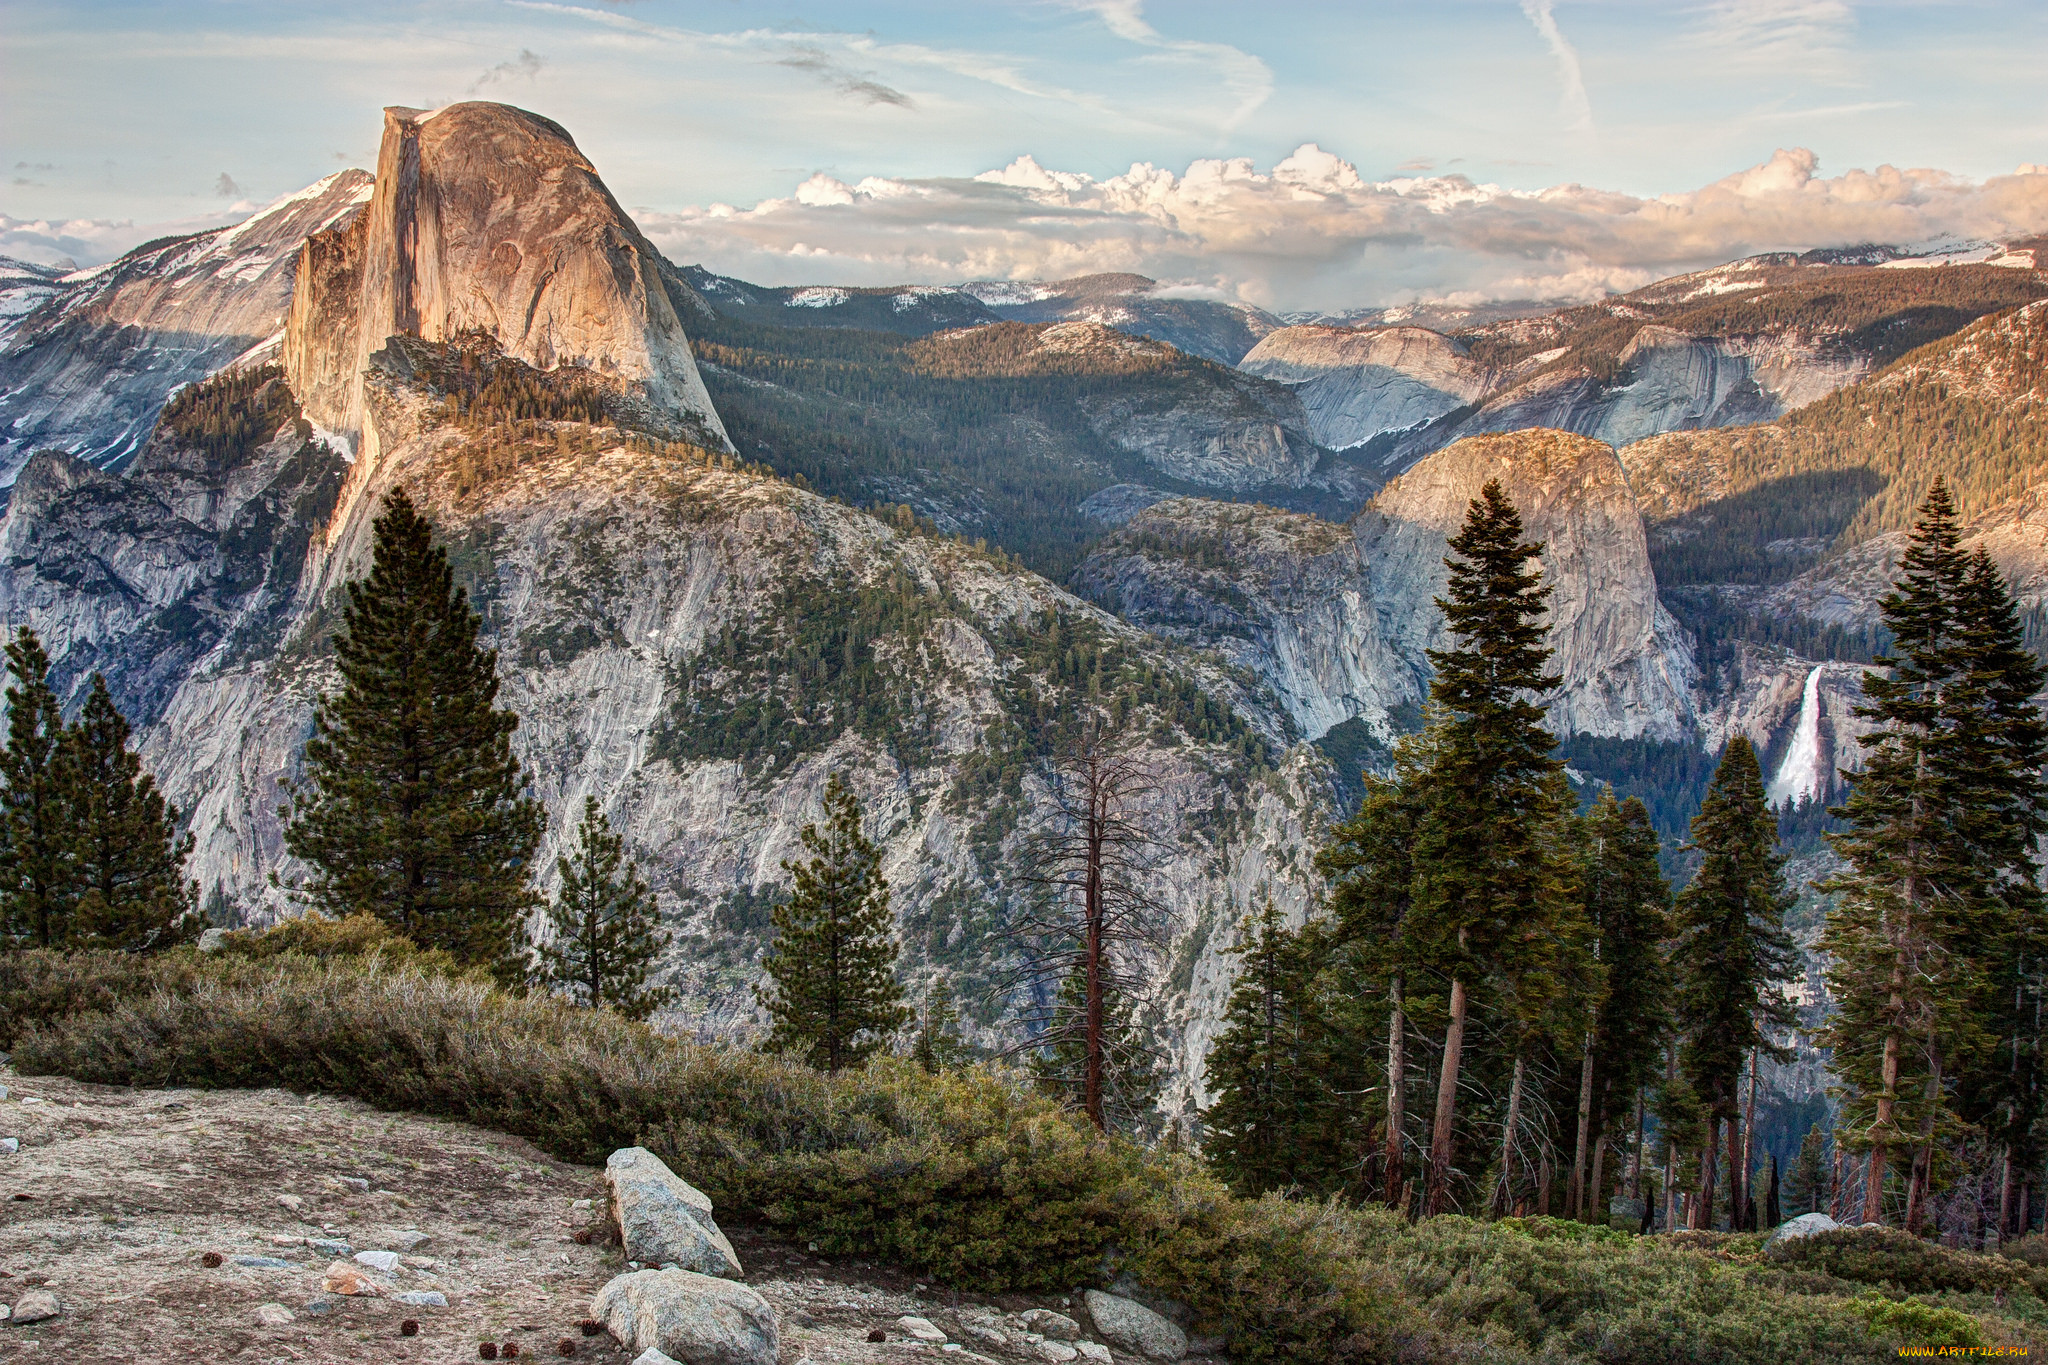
x=607, y=934
x=1486, y=864
x=38, y=837
x=1732, y=952
x=1941, y=896
x=130, y=861
x=835, y=998
x=411, y=807
x=1629, y=904
x=1272, y=1109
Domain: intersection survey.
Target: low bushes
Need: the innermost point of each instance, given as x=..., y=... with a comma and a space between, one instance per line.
x=1888, y=1258
x=966, y=1176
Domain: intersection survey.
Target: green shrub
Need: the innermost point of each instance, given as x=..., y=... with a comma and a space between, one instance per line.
x=1919, y=1324
x=1566, y=1229
x=1886, y=1256
x=354, y=936
x=2032, y=1248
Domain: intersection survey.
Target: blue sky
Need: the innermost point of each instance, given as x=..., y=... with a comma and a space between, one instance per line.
x=120, y=119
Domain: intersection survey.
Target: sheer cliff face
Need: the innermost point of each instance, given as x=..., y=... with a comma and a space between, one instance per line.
x=90, y=366
x=486, y=217
x=1338, y=622
x=1356, y=385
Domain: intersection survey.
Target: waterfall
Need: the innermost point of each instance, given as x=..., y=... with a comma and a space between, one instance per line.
x=1799, y=771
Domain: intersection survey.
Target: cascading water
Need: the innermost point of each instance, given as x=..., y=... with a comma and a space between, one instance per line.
x=1799, y=771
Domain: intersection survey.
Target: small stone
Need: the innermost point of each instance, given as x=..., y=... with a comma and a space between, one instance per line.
x=1058, y=1352
x=650, y=1356
x=577, y=1204
x=1045, y=1322
x=261, y=1262
x=318, y=1308
x=1093, y=1350
x=273, y=1314
x=409, y=1240
x=920, y=1329
x=422, y=1298
x=10, y=1145
x=355, y=1183
x=6, y=1312
x=292, y=1202
x=1135, y=1327
x=343, y=1278
x=385, y=1261
x=3, y=1092
x=332, y=1247
x=38, y=1305
x=985, y=1334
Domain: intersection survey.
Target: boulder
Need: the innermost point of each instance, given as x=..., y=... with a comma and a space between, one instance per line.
x=650, y=1356
x=1057, y=1352
x=386, y=1261
x=1134, y=1327
x=662, y=1218
x=212, y=941
x=422, y=1298
x=698, y=1318
x=273, y=1314
x=38, y=1305
x=1805, y=1225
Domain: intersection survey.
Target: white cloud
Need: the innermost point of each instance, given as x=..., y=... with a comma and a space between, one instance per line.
x=1578, y=109
x=1810, y=37
x=1247, y=79
x=92, y=241
x=1311, y=233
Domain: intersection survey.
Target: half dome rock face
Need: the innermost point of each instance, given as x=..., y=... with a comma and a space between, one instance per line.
x=1625, y=667
x=488, y=219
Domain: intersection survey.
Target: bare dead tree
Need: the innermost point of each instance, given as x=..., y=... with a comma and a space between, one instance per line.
x=1091, y=921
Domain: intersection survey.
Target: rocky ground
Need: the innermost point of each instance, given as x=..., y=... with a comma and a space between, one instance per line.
x=116, y=1197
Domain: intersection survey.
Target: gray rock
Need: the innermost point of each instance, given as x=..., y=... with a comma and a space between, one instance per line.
x=1805, y=1225
x=355, y=1183
x=334, y=1248
x=386, y=1261
x=422, y=1298
x=650, y=1356
x=921, y=1329
x=10, y=1145
x=662, y=1218
x=1135, y=1327
x=273, y=1314
x=212, y=941
x=1094, y=1350
x=38, y=1305
x=1058, y=1352
x=698, y=1318
x=1047, y=1323
x=408, y=1240
x=261, y=1262
x=318, y=1308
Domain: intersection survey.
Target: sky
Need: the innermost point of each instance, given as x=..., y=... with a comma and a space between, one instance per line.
x=1293, y=154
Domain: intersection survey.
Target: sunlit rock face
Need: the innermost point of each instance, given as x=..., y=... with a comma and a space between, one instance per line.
x=487, y=218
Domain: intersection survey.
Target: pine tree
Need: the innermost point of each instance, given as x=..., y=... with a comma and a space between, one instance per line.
x=1118, y=1052
x=1732, y=952
x=130, y=861
x=1370, y=940
x=835, y=998
x=1486, y=865
x=1941, y=897
x=607, y=931
x=1272, y=1108
x=411, y=804
x=1628, y=903
x=1806, y=1180
x=38, y=846
x=938, y=1047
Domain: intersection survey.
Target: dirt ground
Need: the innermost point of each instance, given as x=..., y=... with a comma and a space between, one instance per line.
x=117, y=1196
